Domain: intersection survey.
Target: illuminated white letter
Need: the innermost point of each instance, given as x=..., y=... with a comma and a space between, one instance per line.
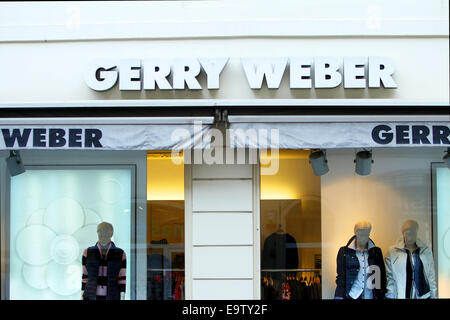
x=213, y=68
x=381, y=70
x=326, y=72
x=186, y=70
x=155, y=73
x=300, y=73
x=354, y=72
x=256, y=69
x=99, y=74
x=130, y=74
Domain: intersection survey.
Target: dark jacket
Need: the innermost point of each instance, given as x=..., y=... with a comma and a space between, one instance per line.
x=280, y=252
x=114, y=261
x=159, y=283
x=348, y=268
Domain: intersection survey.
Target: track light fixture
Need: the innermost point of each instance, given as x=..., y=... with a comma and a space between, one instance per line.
x=363, y=162
x=319, y=163
x=446, y=158
x=14, y=163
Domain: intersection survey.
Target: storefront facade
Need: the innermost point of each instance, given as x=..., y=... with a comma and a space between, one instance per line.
x=160, y=123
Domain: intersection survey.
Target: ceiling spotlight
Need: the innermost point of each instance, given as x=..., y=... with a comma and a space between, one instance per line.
x=446, y=158
x=318, y=162
x=363, y=162
x=14, y=163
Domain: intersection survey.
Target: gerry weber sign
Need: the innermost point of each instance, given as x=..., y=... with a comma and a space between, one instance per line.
x=240, y=135
x=179, y=74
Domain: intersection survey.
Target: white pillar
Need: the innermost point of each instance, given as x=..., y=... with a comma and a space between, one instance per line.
x=222, y=232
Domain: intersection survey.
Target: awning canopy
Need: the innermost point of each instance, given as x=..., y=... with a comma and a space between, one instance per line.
x=255, y=132
x=104, y=133
x=325, y=132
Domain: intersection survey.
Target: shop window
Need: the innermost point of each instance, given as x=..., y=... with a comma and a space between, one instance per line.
x=54, y=216
x=441, y=205
x=393, y=203
x=290, y=228
x=310, y=224
x=165, y=227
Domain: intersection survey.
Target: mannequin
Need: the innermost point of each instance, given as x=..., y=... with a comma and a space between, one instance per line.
x=360, y=267
x=410, y=266
x=102, y=263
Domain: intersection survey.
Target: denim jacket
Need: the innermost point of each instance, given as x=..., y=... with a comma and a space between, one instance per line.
x=348, y=268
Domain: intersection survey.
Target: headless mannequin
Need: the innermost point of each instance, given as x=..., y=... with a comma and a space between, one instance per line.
x=105, y=233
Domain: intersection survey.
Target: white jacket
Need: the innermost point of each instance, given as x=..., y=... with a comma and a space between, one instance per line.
x=396, y=270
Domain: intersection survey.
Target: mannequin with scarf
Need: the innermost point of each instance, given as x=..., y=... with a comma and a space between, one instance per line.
x=410, y=267
x=104, y=268
x=360, y=267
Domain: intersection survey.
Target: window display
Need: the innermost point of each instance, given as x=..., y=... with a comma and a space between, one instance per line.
x=394, y=197
x=54, y=217
x=290, y=229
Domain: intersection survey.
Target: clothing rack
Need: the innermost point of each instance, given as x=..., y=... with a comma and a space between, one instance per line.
x=262, y=270
x=288, y=284
x=291, y=270
x=168, y=269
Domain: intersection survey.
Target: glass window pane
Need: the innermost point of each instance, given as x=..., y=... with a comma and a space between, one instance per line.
x=396, y=190
x=290, y=229
x=54, y=217
x=443, y=230
x=165, y=227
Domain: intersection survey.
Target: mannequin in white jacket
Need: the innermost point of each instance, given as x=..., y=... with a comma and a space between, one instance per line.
x=410, y=267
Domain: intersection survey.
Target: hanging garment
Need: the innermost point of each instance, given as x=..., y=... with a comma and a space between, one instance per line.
x=159, y=282
x=177, y=282
x=285, y=291
x=280, y=252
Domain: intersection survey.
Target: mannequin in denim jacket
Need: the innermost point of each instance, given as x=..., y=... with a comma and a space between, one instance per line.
x=360, y=267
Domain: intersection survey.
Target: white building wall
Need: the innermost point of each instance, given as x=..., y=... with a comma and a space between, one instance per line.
x=53, y=71
x=44, y=47
x=222, y=18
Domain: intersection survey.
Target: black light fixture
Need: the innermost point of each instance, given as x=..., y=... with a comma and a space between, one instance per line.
x=446, y=158
x=319, y=163
x=14, y=163
x=363, y=162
